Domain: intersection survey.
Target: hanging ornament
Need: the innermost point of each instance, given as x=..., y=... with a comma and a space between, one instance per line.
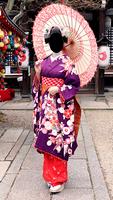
x=16, y=45
x=6, y=40
x=4, y=48
x=16, y=52
x=1, y=44
x=1, y=34
x=18, y=39
x=10, y=33
x=9, y=46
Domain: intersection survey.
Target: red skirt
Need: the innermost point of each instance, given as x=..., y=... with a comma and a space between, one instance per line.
x=54, y=170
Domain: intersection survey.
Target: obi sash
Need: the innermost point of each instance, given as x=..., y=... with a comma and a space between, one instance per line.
x=49, y=82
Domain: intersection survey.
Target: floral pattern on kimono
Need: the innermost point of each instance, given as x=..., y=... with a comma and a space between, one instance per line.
x=54, y=115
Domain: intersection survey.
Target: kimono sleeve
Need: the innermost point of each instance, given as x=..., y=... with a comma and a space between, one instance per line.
x=70, y=87
x=36, y=93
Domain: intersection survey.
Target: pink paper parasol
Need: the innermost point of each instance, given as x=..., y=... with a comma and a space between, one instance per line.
x=81, y=47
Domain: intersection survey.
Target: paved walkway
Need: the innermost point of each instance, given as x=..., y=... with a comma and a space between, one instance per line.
x=21, y=165
x=87, y=102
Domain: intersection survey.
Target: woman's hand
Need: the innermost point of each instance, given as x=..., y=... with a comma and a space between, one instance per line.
x=53, y=90
x=38, y=68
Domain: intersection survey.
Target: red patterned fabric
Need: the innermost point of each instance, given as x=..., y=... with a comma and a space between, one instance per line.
x=54, y=170
x=52, y=81
x=7, y=94
x=48, y=82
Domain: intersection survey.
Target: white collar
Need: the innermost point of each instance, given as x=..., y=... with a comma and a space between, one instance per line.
x=54, y=56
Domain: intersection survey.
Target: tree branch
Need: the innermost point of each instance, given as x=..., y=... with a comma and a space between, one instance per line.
x=9, y=6
x=20, y=14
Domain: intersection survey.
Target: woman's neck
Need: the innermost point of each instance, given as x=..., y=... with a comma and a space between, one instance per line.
x=54, y=56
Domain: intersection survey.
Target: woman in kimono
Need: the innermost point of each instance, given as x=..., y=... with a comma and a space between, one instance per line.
x=56, y=111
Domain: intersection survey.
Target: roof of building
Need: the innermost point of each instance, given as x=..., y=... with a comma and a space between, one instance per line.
x=8, y=24
x=87, y=4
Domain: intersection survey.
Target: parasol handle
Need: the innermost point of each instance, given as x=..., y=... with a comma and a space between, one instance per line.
x=68, y=44
x=71, y=42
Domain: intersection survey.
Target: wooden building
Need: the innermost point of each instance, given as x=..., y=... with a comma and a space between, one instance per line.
x=108, y=75
x=99, y=14
x=14, y=43
x=96, y=12
x=11, y=33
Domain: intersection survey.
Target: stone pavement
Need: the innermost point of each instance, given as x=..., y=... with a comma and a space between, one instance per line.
x=93, y=102
x=21, y=165
x=87, y=102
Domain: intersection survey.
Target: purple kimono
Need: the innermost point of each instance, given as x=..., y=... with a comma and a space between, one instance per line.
x=54, y=115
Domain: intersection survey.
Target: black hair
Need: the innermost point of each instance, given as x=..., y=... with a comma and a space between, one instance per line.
x=55, y=39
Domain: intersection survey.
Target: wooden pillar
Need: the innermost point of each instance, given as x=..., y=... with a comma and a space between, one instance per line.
x=25, y=93
x=99, y=83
